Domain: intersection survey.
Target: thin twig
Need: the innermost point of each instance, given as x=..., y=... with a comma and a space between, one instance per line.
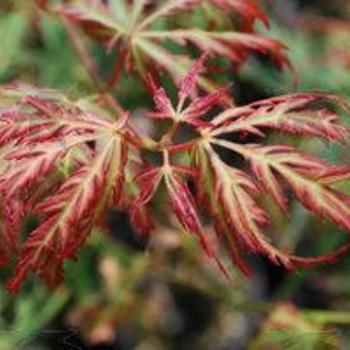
x=89, y=65
x=118, y=68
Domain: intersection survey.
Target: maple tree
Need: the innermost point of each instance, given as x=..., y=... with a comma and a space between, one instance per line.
x=69, y=161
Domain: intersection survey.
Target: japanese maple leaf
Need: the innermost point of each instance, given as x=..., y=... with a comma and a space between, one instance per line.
x=185, y=113
x=44, y=133
x=142, y=29
x=231, y=194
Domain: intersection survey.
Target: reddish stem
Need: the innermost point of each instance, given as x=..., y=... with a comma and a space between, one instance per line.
x=117, y=70
x=89, y=65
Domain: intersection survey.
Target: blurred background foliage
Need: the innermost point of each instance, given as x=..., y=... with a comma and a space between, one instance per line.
x=127, y=292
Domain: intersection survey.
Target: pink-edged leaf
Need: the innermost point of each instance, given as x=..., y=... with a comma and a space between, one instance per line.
x=146, y=50
x=164, y=107
x=308, y=177
x=27, y=171
x=269, y=183
x=190, y=80
x=18, y=126
x=82, y=155
x=201, y=105
x=195, y=109
x=43, y=252
x=184, y=207
x=71, y=213
x=295, y=114
x=183, y=204
x=148, y=181
x=245, y=218
x=233, y=45
x=11, y=213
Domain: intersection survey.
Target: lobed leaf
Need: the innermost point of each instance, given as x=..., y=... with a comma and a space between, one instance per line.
x=181, y=112
x=244, y=218
x=74, y=205
x=135, y=31
x=296, y=114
